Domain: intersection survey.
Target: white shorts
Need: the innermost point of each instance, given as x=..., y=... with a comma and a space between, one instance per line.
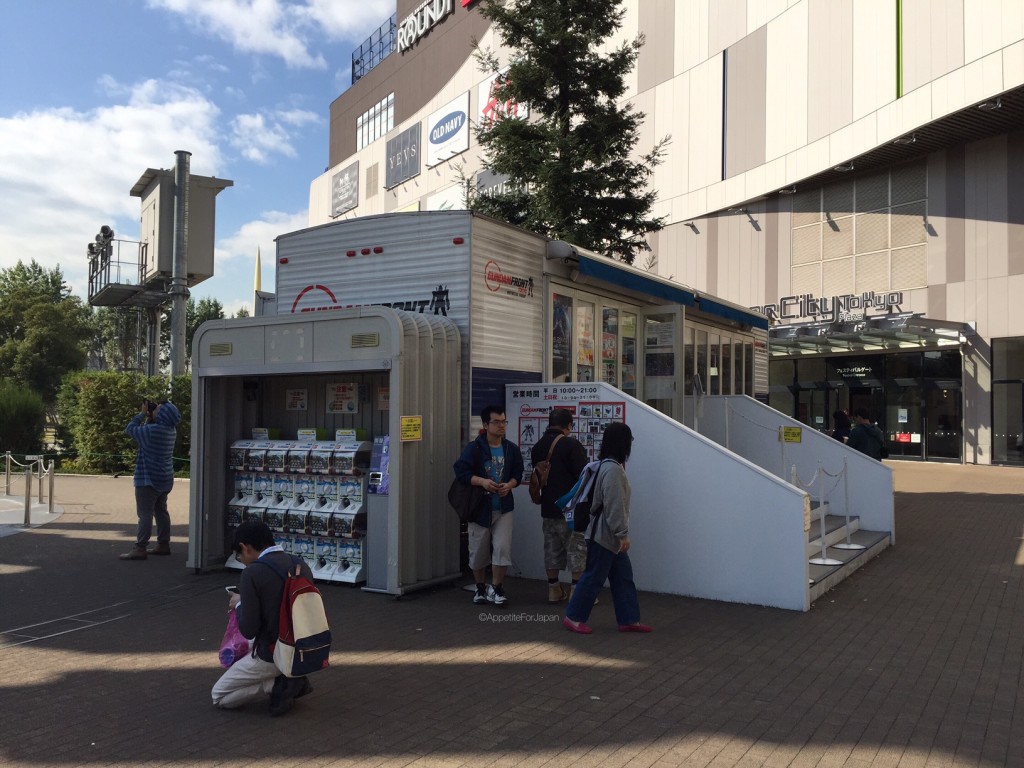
x=497, y=538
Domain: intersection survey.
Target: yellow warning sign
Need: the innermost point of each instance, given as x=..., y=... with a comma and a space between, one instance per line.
x=412, y=428
x=792, y=434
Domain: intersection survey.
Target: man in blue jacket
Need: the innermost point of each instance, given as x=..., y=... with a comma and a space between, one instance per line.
x=496, y=465
x=154, y=428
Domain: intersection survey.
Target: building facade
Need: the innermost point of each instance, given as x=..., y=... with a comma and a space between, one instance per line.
x=854, y=170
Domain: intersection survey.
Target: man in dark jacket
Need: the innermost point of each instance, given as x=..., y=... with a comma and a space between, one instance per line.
x=865, y=436
x=154, y=428
x=563, y=548
x=258, y=606
x=496, y=465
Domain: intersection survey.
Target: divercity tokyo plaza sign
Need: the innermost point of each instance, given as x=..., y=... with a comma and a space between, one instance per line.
x=421, y=21
x=850, y=306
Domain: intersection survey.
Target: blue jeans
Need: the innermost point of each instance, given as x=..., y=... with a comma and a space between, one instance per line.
x=618, y=570
x=150, y=503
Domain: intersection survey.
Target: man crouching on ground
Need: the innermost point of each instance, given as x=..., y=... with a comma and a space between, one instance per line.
x=258, y=605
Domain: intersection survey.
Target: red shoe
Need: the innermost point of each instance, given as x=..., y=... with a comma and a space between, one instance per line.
x=576, y=626
x=638, y=627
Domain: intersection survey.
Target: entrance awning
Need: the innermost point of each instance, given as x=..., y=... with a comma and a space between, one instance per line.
x=621, y=275
x=882, y=333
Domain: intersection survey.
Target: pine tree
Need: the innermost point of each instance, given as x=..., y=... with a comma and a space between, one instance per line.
x=570, y=166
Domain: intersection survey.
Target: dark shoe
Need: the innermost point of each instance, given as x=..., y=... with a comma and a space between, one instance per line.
x=136, y=553
x=285, y=691
x=303, y=687
x=638, y=627
x=280, y=701
x=159, y=549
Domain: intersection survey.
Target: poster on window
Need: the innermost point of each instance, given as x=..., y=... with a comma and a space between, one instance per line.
x=343, y=398
x=585, y=336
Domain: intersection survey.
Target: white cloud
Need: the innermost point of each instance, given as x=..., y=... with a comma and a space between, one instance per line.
x=298, y=116
x=259, y=233
x=64, y=173
x=347, y=20
x=272, y=27
x=257, y=136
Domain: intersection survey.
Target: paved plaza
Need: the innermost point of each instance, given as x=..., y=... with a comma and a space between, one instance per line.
x=916, y=660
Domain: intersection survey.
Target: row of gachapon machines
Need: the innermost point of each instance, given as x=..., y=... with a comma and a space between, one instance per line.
x=339, y=458
x=325, y=527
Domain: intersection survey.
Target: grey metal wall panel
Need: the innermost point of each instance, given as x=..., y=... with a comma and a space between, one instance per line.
x=1015, y=201
x=956, y=261
x=933, y=40
x=507, y=290
x=829, y=67
x=655, y=63
x=745, y=105
x=727, y=23
x=419, y=268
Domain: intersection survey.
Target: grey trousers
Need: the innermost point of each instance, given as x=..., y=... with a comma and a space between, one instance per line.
x=150, y=503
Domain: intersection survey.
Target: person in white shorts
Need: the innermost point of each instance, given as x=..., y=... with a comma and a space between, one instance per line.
x=496, y=465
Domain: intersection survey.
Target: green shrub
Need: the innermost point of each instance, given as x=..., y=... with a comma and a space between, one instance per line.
x=22, y=418
x=95, y=407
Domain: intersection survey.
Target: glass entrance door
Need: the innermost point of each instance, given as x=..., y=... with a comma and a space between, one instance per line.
x=661, y=386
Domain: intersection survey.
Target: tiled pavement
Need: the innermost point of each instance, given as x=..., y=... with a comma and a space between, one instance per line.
x=916, y=660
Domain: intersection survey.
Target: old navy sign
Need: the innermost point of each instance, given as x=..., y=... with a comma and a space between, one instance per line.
x=849, y=306
x=448, y=131
x=421, y=21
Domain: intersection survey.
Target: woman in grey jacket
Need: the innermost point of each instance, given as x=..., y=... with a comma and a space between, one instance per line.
x=608, y=541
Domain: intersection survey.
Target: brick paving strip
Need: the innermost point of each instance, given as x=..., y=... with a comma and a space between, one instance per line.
x=915, y=660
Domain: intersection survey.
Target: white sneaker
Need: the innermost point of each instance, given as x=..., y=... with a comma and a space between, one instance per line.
x=480, y=596
x=496, y=595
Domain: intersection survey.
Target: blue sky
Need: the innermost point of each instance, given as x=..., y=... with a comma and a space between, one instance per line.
x=94, y=92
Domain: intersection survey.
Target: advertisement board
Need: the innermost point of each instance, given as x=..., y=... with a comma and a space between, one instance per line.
x=448, y=131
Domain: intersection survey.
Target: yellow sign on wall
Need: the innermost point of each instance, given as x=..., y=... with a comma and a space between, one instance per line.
x=412, y=428
x=792, y=434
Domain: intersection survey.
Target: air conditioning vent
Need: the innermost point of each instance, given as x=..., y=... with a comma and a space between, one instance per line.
x=220, y=349
x=364, y=340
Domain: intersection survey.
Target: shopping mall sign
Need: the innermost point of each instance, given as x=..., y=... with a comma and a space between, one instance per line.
x=421, y=21
x=845, y=308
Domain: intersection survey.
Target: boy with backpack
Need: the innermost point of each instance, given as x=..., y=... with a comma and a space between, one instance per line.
x=258, y=609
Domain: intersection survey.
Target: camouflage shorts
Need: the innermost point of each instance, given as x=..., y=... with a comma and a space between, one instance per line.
x=562, y=547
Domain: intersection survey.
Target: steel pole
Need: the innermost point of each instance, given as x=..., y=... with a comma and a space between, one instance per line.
x=28, y=495
x=179, y=284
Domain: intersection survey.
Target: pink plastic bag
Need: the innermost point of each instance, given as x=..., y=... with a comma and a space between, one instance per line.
x=233, y=646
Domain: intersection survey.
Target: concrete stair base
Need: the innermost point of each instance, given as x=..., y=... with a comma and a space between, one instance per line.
x=823, y=578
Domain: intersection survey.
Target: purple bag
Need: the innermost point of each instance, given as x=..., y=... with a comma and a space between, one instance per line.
x=233, y=646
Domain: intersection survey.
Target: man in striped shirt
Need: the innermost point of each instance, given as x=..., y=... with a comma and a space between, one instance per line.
x=154, y=428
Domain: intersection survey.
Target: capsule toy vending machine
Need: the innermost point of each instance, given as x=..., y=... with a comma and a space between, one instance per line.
x=349, y=465
x=282, y=500
x=325, y=550
x=242, y=495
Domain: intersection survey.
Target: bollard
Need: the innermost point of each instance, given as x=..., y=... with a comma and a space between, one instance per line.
x=51, y=486
x=39, y=464
x=28, y=496
x=846, y=498
x=824, y=559
x=7, y=472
